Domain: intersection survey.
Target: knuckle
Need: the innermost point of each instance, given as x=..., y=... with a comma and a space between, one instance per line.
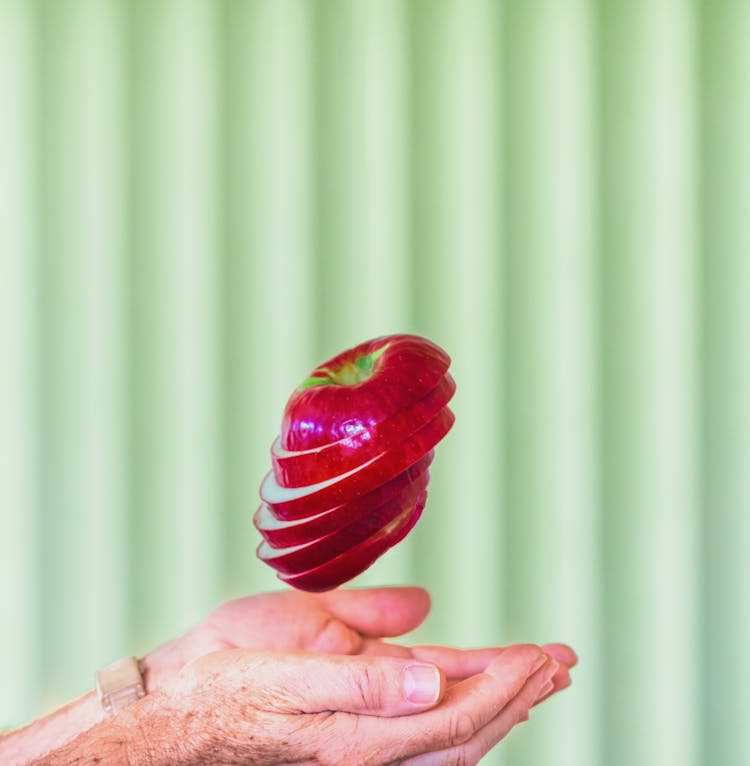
x=333, y=636
x=368, y=683
x=461, y=727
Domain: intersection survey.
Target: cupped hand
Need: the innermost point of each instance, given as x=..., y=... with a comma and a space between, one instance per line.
x=352, y=621
x=242, y=706
x=338, y=622
x=458, y=664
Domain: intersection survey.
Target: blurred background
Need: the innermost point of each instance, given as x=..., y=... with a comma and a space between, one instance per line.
x=200, y=201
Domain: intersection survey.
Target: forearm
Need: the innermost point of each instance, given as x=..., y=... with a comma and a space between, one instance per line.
x=150, y=732
x=25, y=745
x=32, y=742
x=105, y=743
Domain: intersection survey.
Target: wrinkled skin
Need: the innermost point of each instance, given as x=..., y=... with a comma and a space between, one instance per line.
x=250, y=707
x=340, y=622
x=295, y=678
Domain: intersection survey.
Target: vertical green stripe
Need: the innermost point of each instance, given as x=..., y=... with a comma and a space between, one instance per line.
x=340, y=123
x=19, y=481
x=550, y=567
x=456, y=294
x=649, y=392
x=360, y=156
x=726, y=380
x=174, y=360
x=82, y=269
x=362, y=289
x=270, y=341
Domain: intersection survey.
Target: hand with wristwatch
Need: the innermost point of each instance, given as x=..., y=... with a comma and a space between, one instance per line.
x=294, y=677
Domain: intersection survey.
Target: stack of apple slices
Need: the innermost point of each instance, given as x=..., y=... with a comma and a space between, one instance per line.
x=350, y=466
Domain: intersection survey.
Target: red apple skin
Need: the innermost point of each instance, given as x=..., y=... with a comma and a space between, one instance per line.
x=320, y=411
x=295, y=560
x=356, y=560
x=365, y=479
x=285, y=534
x=300, y=469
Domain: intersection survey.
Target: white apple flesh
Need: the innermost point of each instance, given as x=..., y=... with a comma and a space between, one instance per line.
x=300, y=558
x=299, y=502
x=349, y=564
x=281, y=534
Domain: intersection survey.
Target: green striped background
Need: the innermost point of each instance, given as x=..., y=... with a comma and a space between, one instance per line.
x=201, y=200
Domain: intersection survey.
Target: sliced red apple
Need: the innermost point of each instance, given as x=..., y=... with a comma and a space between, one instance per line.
x=301, y=558
x=375, y=380
x=350, y=467
x=349, y=564
x=366, y=440
x=296, y=503
x=281, y=534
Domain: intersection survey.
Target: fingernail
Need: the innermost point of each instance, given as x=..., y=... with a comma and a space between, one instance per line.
x=421, y=684
x=538, y=664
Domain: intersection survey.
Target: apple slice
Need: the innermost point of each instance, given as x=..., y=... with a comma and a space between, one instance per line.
x=296, y=503
x=349, y=564
x=301, y=558
x=364, y=385
x=299, y=469
x=281, y=534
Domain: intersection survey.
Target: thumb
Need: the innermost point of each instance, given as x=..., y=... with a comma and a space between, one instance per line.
x=379, y=686
x=378, y=612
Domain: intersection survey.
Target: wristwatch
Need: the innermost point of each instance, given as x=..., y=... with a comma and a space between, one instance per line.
x=119, y=684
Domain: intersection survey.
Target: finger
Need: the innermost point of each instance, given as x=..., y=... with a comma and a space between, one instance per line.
x=378, y=612
x=372, y=686
x=478, y=745
x=562, y=653
x=567, y=659
x=466, y=708
x=372, y=646
x=458, y=663
x=561, y=680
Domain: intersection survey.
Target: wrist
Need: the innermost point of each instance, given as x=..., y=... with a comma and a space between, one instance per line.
x=130, y=738
x=161, y=730
x=161, y=665
x=60, y=727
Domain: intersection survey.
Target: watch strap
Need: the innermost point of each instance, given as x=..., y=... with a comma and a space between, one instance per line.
x=119, y=684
